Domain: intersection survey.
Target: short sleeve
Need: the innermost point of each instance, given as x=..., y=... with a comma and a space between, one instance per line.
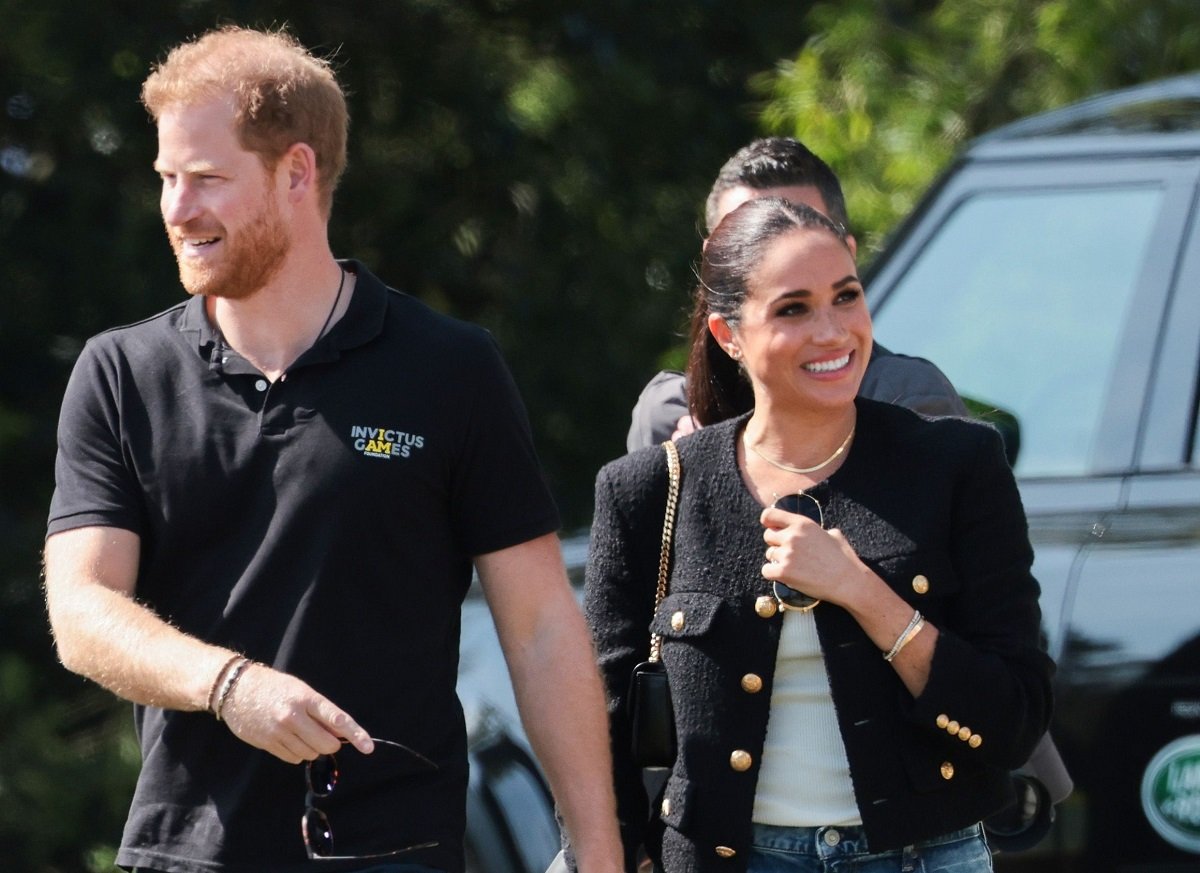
x=913, y=383
x=500, y=497
x=93, y=482
x=658, y=409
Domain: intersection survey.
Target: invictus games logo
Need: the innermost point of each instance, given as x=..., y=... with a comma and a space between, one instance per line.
x=378, y=442
x=1171, y=793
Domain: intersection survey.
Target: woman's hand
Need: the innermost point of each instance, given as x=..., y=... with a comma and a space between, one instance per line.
x=817, y=562
x=821, y=563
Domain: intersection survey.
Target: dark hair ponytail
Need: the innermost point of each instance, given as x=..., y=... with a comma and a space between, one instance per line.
x=716, y=386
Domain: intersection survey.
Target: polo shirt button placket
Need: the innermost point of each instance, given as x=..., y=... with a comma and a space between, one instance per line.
x=262, y=388
x=274, y=414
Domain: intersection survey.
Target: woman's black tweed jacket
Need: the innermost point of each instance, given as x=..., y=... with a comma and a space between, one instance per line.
x=931, y=506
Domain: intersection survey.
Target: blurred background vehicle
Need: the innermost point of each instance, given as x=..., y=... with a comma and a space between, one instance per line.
x=1053, y=273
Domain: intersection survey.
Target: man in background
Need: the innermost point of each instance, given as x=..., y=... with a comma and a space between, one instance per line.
x=785, y=167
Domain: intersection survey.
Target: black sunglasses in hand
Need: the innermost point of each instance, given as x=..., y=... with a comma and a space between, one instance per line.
x=321, y=775
x=806, y=505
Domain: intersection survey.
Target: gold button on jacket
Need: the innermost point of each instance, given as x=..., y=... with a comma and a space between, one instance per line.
x=752, y=683
x=678, y=621
x=952, y=727
x=947, y=770
x=765, y=606
x=943, y=720
x=975, y=741
x=725, y=852
x=741, y=760
x=920, y=584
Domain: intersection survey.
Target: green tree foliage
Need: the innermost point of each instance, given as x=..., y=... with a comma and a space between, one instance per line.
x=888, y=90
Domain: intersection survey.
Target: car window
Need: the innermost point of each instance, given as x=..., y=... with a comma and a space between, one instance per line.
x=1020, y=297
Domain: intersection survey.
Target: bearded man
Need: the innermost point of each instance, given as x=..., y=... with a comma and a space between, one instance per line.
x=268, y=503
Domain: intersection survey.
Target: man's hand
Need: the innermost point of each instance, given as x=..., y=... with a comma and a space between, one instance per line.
x=685, y=425
x=283, y=715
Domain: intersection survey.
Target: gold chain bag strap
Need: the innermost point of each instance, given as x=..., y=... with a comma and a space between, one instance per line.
x=652, y=717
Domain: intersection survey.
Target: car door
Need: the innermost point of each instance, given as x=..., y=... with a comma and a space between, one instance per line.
x=1131, y=692
x=1039, y=283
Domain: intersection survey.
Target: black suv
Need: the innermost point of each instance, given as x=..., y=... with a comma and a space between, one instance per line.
x=1053, y=273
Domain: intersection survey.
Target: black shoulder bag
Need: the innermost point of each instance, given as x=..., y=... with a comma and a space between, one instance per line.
x=652, y=717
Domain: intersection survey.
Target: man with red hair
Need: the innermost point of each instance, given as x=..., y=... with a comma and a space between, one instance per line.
x=269, y=500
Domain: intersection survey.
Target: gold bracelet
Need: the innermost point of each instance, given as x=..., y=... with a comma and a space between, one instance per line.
x=227, y=686
x=914, y=627
x=212, y=692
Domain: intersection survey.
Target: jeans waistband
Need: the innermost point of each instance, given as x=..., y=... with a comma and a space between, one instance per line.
x=830, y=840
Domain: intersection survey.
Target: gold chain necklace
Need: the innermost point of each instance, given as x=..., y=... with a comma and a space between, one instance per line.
x=801, y=470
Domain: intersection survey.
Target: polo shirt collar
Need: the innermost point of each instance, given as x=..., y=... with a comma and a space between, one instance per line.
x=361, y=323
x=364, y=317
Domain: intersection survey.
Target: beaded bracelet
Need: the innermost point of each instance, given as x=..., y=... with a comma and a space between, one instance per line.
x=227, y=686
x=212, y=692
x=914, y=627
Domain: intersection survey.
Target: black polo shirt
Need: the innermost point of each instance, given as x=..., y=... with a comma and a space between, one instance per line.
x=323, y=524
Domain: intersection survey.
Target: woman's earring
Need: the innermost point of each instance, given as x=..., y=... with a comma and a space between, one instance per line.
x=735, y=353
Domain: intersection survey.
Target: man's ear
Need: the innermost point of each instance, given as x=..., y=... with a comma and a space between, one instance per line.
x=300, y=164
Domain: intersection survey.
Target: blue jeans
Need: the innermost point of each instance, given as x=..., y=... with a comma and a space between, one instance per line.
x=844, y=849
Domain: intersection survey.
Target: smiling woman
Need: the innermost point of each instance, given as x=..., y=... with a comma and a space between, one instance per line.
x=851, y=634
x=802, y=332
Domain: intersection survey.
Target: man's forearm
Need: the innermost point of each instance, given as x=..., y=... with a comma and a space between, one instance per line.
x=103, y=634
x=128, y=649
x=558, y=690
x=562, y=706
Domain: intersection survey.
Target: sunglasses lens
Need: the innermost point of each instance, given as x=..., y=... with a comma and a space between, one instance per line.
x=801, y=504
x=322, y=775
x=790, y=598
x=317, y=835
